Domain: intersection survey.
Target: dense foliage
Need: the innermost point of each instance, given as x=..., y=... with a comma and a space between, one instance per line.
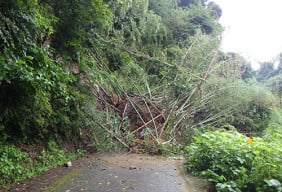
x=37, y=96
x=243, y=105
x=16, y=165
x=233, y=162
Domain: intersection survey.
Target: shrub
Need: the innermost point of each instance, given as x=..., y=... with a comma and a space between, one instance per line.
x=245, y=105
x=52, y=156
x=274, y=129
x=232, y=164
x=14, y=164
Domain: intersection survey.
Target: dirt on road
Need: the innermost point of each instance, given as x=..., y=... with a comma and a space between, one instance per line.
x=116, y=173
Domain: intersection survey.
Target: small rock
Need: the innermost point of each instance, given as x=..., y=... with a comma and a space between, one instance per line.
x=121, y=182
x=68, y=164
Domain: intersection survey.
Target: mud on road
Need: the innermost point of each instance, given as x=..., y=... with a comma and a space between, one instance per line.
x=116, y=173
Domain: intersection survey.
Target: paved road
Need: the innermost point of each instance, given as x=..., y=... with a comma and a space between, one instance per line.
x=118, y=173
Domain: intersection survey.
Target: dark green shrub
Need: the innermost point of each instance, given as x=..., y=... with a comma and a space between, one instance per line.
x=37, y=97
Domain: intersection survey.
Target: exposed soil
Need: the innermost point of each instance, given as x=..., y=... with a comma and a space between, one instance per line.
x=117, y=173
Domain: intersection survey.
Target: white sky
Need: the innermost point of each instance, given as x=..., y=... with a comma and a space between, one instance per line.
x=253, y=28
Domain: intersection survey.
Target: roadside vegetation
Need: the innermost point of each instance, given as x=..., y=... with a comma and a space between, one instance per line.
x=18, y=163
x=142, y=75
x=234, y=162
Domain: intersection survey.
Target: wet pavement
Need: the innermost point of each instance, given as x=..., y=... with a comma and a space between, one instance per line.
x=117, y=173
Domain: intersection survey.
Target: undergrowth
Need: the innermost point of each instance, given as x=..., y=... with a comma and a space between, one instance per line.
x=16, y=165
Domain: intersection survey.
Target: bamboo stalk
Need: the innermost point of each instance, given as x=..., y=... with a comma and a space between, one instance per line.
x=196, y=89
x=145, y=124
x=117, y=138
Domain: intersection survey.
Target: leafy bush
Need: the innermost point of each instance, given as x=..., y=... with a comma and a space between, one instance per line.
x=246, y=106
x=274, y=129
x=16, y=165
x=37, y=97
x=52, y=156
x=233, y=162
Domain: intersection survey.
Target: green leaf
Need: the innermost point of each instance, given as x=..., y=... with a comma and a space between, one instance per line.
x=29, y=58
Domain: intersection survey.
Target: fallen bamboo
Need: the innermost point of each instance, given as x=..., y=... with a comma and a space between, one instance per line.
x=117, y=138
x=145, y=124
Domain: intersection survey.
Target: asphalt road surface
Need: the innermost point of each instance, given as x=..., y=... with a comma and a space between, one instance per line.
x=116, y=173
